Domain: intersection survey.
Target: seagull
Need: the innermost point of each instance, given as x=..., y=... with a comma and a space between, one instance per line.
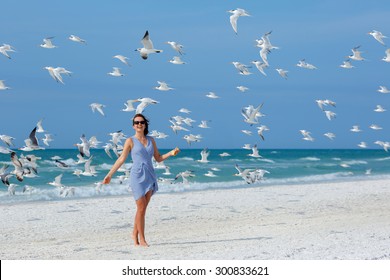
x=177, y=60
x=47, y=43
x=386, y=58
x=377, y=36
x=177, y=47
x=18, y=171
x=224, y=154
x=55, y=73
x=98, y=107
x=282, y=73
x=176, y=127
x=303, y=64
x=77, y=39
x=184, y=175
x=375, y=127
x=356, y=54
x=116, y=72
x=266, y=47
x=184, y=110
x=163, y=86
x=203, y=124
x=204, y=155
x=242, y=88
x=379, y=109
x=236, y=13
x=7, y=139
x=330, y=135
x=306, y=135
x=84, y=146
x=122, y=58
x=47, y=139
x=192, y=138
x=261, y=129
x=145, y=101
x=6, y=48
x=347, y=64
x=167, y=170
x=3, y=86
x=260, y=66
x=147, y=47
x=251, y=114
x=247, y=147
x=32, y=142
x=355, y=128
x=57, y=181
x=383, y=89
x=362, y=145
x=210, y=174
x=129, y=105
x=212, y=95
x=247, y=132
x=255, y=152
x=330, y=115
x=384, y=145
x=40, y=127
x=243, y=69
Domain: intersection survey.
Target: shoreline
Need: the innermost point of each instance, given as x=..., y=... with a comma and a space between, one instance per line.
x=326, y=221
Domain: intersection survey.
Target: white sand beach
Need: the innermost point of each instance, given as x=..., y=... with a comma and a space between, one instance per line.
x=347, y=220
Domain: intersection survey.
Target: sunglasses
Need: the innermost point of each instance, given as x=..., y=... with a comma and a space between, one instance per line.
x=139, y=122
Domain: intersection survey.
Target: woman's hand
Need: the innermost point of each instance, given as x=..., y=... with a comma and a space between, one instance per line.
x=107, y=180
x=175, y=151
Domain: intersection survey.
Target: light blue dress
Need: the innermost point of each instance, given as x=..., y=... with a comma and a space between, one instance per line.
x=142, y=175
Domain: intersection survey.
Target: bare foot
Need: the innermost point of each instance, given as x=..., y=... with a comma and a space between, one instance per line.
x=135, y=239
x=143, y=243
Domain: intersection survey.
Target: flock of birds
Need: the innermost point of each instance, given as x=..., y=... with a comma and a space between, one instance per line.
x=27, y=166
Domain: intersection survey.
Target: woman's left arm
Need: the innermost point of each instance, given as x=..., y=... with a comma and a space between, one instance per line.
x=158, y=157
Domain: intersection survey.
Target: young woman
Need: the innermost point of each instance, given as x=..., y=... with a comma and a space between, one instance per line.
x=143, y=180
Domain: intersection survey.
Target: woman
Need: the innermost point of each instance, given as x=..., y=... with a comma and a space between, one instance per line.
x=143, y=180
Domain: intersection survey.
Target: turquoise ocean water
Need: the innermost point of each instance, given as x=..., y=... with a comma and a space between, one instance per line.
x=285, y=167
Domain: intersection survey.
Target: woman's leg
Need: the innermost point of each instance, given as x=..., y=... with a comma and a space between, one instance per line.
x=139, y=221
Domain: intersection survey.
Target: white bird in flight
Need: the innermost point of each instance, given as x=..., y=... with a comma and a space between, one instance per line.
x=116, y=72
x=176, y=46
x=282, y=73
x=236, y=13
x=3, y=86
x=383, y=89
x=77, y=39
x=347, y=64
x=212, y=95
x=260, y=66
x=177, y=60
x=147, y=47
x=379, y=109
x=55, y=73
x=356, y=54
x=204, y=155
x=5, y=48
x=303, y=64
x=129, y=105
x=163, y=86
x=378, y=36
x=386, y=58
x=97, y=107
x=47, y=43
x=145, y=101
x=330, y=135
x=122, y=58
x=242, y=88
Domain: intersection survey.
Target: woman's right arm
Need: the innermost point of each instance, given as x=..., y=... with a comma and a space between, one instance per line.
x=118, y=163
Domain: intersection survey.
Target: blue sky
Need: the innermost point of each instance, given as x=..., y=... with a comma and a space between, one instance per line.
x=321, y=32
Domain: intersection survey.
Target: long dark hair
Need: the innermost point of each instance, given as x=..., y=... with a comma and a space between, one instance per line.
x=146, y=131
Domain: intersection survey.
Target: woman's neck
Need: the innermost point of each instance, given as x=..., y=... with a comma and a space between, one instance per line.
x=140, y=135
